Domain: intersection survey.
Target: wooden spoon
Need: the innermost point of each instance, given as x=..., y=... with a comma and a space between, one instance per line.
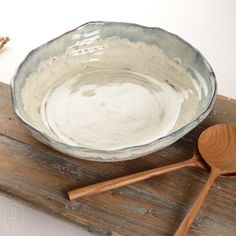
x=195, y=161
x=217, y=146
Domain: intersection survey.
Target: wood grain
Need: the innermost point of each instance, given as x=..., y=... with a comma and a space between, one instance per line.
x=192, y=213
x=40, y=177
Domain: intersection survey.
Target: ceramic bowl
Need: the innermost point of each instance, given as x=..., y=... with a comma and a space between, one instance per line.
x=109, y=91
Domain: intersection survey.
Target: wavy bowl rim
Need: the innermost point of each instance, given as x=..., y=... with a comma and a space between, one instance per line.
x=180, y=131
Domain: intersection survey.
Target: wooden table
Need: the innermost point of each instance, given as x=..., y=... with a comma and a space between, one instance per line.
x=40, y=177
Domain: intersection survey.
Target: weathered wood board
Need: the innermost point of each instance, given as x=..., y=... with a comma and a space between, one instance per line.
x=40, y=177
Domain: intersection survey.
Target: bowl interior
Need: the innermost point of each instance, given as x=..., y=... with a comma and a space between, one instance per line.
x=109, y=86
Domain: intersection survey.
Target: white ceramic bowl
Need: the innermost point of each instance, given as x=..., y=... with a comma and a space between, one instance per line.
x=110, y=91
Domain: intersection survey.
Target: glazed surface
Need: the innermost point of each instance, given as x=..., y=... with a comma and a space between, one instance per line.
x=111, y=94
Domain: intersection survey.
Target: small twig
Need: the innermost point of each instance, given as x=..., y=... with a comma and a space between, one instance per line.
x=3, y=41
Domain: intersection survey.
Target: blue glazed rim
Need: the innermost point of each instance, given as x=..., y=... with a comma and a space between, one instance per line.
x=179, y=132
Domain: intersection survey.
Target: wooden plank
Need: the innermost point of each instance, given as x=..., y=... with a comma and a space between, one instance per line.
x=40, y=176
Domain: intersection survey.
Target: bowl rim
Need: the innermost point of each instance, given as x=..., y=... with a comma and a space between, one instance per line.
x=180, y=130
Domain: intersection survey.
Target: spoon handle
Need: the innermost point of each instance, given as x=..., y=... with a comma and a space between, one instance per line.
x=129, y=179
x=189, y=218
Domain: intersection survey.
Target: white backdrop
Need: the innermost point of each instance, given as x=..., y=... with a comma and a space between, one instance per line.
x=209, y=25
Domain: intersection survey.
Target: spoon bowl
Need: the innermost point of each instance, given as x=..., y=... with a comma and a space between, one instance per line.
x=217, y=146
